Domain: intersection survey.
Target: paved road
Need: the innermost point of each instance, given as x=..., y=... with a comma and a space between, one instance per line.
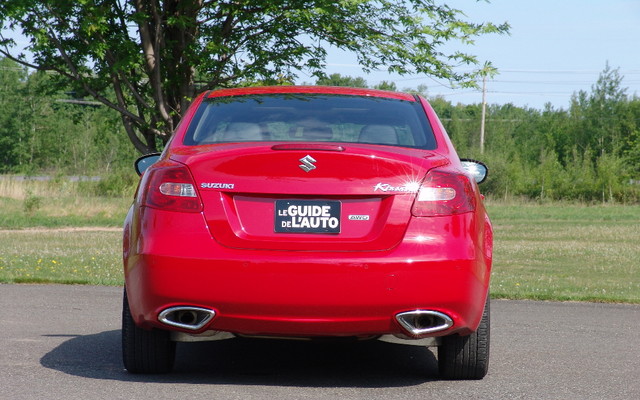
x=62, y=342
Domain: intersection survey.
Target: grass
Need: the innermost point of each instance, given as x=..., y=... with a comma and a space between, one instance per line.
x=566, y=252
x=72, y=256
x=544, y=252
x=57, y=203
x=50, y=232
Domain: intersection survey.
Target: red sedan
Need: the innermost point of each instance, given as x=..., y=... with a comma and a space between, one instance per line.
x=308, y=212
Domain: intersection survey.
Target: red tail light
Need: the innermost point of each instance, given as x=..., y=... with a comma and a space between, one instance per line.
x=444, y=193
x=169, y=186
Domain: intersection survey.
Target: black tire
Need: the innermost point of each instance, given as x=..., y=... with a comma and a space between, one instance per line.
x=466, y=357
x=145, y=351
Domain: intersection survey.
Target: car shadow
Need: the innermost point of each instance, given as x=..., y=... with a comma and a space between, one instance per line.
x=368, y=364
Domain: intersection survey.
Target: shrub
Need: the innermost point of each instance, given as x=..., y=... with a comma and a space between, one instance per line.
x=32, y=203
x=116, y=184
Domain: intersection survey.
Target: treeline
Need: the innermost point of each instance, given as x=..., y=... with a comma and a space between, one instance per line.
x=46, y=131
x=588, y=152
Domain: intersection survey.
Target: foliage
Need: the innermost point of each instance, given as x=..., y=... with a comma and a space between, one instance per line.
x=42, y=131
x=589, y=152
x=147, y=59
x=120, y=183
x=31, y=203
x=342, y=80
x=385, y=85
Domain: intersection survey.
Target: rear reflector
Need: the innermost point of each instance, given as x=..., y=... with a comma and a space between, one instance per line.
x=444, y=193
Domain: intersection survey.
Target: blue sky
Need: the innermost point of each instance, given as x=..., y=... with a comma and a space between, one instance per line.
x=556, y=48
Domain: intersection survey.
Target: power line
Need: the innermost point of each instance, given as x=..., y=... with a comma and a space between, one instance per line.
x=566, y=71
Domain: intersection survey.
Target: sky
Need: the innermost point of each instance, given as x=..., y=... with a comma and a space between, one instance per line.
x=556, y=48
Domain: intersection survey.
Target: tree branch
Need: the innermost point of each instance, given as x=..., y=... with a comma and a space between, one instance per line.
x=151, y=49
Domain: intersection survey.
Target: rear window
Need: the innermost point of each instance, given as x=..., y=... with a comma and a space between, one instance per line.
x=311, y=117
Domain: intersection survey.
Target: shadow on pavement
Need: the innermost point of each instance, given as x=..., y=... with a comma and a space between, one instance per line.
x=256, y=362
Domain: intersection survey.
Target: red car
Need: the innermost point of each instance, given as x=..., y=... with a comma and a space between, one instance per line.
x=308, y=212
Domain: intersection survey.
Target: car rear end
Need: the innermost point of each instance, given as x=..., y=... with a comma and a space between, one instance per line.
x=308, y=212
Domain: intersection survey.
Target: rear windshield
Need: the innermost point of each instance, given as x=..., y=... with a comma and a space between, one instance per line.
x=311, y=118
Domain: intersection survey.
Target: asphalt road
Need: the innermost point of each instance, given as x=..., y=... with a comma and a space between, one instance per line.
x=63, y=342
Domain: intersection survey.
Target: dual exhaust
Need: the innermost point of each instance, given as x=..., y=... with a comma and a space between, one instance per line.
x=416, y=322
x=192, y=318
x=422, y=322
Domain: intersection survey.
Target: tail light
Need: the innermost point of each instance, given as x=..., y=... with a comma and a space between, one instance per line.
x=169, y=186
x=444, y=193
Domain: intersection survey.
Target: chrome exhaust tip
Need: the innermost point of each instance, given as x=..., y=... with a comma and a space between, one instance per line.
x=422, y=322
x=192, y=318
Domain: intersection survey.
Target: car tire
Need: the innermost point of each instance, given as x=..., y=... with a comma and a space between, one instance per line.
x=145, y=351
x=466, y=357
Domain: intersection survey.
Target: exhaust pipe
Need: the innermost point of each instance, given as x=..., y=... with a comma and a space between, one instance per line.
x=192, y=318
x=422, y=322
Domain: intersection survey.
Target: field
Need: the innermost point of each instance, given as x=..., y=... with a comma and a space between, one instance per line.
x=549, y=252
x=566, y=252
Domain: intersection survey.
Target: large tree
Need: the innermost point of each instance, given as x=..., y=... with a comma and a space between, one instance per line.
x=147, y=59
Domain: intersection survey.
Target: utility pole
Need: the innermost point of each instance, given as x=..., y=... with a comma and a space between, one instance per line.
x=487, y=70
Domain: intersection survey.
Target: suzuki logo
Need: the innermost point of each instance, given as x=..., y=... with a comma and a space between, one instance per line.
x=307, y=163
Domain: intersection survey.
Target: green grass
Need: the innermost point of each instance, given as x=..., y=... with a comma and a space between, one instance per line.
x=566, y=252
x=75, y=212
x=74, y=256
x=57, y=203
x=52, y=232
x=545, y=252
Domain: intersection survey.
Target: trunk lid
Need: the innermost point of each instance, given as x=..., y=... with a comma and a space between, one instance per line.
x=307, y=197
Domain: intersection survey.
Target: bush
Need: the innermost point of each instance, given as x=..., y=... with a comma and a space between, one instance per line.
x=116, y=184
x=32, y=203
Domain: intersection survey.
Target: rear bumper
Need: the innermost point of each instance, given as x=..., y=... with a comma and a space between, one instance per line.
x=277, y=293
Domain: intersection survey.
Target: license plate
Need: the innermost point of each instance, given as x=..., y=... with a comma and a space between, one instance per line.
x=307, y=216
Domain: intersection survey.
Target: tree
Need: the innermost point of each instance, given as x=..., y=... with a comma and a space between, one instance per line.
x=342, y=80
x=12, y=77
x=487, y=70
x=154, y=56
x=604, y=120
x=41, y=132
x=384, y=85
